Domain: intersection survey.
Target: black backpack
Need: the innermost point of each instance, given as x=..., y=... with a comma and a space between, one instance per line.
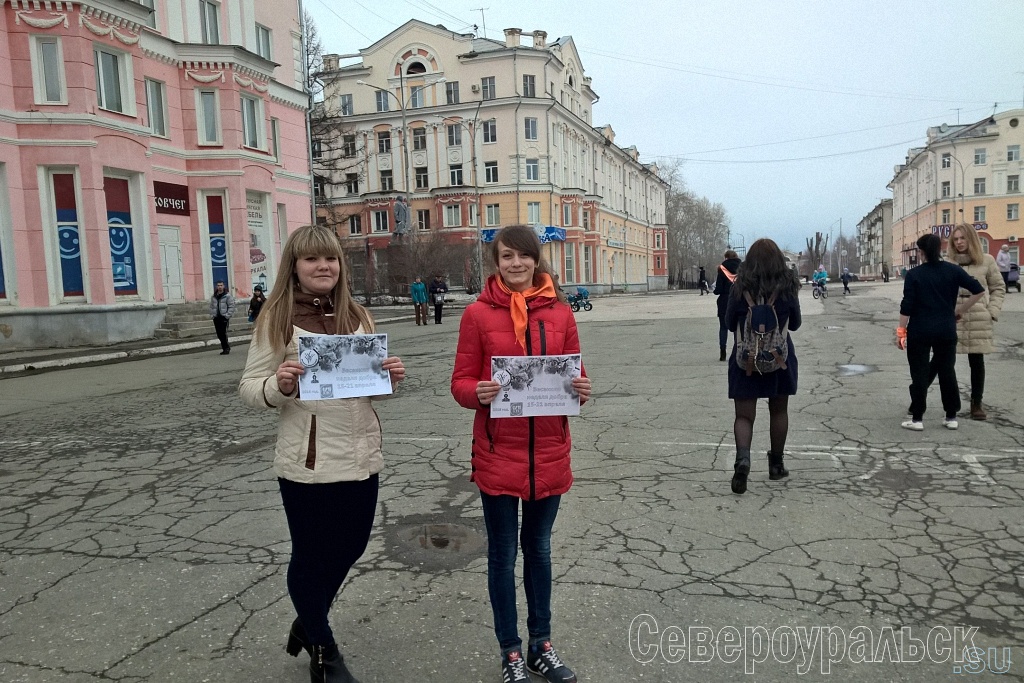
x=761, y=344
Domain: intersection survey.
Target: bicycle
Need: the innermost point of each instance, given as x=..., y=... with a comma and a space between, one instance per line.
x=819, y=290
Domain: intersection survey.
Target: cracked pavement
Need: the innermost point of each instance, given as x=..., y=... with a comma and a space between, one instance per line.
x=142, y=538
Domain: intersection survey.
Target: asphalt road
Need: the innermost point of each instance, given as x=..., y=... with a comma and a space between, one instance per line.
x=142, y=539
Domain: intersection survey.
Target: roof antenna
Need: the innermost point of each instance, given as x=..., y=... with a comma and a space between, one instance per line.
x=482, y=17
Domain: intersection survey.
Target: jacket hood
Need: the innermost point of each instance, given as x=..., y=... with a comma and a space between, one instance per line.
x=731, y=264
x=493, y=295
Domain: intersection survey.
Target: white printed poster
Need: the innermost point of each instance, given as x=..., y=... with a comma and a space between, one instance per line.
x=535, y=385
x=343, y=366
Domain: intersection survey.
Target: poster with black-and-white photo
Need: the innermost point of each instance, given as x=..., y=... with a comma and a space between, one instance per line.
x=343, y=366
x=535, y=385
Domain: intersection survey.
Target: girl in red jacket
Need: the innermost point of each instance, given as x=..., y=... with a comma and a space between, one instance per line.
x=520, y=312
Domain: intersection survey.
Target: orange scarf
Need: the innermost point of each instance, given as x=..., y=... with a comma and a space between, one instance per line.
x=519, y=299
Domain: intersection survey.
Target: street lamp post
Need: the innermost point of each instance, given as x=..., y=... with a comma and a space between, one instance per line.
x=472, y=127
x=625, y=271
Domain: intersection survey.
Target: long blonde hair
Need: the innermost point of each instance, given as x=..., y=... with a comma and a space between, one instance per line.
x=973, y=244
x=275, y=320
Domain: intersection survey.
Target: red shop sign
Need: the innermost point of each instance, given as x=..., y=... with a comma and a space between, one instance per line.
x=170, y=198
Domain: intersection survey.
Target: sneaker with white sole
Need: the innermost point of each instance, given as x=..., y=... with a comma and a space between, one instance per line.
x=545, y=662
x=513, y=668
x=913, y=425
x=950, y=423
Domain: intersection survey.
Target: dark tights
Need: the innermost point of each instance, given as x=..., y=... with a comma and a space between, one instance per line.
x=778, y=422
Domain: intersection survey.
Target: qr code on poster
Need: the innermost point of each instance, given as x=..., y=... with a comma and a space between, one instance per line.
x=326, y=391
x=516, y=409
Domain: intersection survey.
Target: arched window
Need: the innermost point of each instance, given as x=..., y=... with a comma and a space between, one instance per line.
x=984, y=244
x=415, y=68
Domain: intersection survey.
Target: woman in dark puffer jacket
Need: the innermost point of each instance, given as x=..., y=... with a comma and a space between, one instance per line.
x=520, y=312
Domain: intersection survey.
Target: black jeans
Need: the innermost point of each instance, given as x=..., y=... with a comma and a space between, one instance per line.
x=929, y=358
x=976, y=361
x=437, y=313
x=330, y=526
x=220, y=323
x=723, y=332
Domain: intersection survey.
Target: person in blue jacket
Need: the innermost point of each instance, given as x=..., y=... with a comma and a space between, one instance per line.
x=418, y=291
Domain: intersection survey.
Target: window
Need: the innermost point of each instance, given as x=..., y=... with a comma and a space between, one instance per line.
x=474, y=214
x=156, y=105
x=151, y=19
x=454, y=135
x=416, y=96
x=419, y=139
x=252, y=122
x=384, y=142
x=529, y=86
x=48, y=70
x=490, y=131
x=208, y=125
x=348, y=145
x=422, y=178
x=387, y=181
x=352, y=183
x=451, y=91
x=319, y=186
x=657, y=262
x=487, y=88
x=423, y=219
x=1013, y=152
x=945, y=216
x=452, y=216
x=533, y=213
x=570, y=262
x=532, y=169
x=566, y=214
x=492, y=214
x=586, y=220
x=381, y=221
x=455, y=174
x=113, y=75
x=947, y=160
x=979, y=214
x=945, y=188
x=382, y=100
x=657, y=240
x=263, y=41
x=355, y=225
x=1013, y=183
x=1012, y=212
x=979, y=186
x=531, y=128
x=63, y=196
x=209, y=22
x=275, y=138
x=980, y=156
x=490, y=171
x=346, y=105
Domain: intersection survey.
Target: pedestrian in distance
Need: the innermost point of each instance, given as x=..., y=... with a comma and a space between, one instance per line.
x=438, y=290
x=975, y=329
x=1003, y=263
x=929, y=311
x=256, y=303
x=727, y=270
x=702, y=280
x=328, y=453
x=765, y=286
x=518, y=461
x=222, y=307
x=846, y=277
x=418, y=291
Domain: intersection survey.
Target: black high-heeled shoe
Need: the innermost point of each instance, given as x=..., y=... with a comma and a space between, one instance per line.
x=327, y=665
x=297, y=640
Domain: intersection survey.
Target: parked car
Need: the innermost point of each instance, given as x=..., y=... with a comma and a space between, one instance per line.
x=1013, y=279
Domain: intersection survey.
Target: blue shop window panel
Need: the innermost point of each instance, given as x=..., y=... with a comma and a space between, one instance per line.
x=122, y=257
x=218, y=240
x=68, y=240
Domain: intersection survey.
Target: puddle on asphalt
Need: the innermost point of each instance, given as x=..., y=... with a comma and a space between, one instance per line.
x=853, y=370
x=438, y=545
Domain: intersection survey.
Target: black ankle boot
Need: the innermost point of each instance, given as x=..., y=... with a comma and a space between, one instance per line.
x=776, y=470
x=721, y=356
x=326, y=665
x=297, y=640
x=740, y=470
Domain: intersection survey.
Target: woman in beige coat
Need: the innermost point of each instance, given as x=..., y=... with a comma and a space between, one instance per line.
x=974, y=330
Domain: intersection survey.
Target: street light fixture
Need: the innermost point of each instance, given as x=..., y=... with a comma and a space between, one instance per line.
x=472, y=125
x=625, y=271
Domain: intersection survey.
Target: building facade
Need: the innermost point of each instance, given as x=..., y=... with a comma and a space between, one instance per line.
x=965, y=173
x=449, y=136
x=147, y=150
x=874, y=240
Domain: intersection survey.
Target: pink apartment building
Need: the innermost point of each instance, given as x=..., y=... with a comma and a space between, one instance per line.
x=145, y=154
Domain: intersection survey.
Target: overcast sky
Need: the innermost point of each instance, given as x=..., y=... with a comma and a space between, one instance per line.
x=749, y=93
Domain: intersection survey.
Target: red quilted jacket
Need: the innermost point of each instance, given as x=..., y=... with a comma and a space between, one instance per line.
x=526, y=457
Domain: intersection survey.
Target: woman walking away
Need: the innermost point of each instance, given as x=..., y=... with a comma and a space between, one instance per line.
x=764, y=285
x=927, y=329
x=974, y=329
x=723, y=285
x=520, y=459
x=328, y=452
x=702, y=279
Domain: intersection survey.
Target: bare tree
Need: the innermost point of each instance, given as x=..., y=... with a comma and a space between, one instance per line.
x=817, y=247
x=696, y=228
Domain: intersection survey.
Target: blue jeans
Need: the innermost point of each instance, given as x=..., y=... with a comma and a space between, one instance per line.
x=501, y=515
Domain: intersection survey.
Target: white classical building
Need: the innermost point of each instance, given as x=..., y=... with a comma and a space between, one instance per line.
x=468, y=134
